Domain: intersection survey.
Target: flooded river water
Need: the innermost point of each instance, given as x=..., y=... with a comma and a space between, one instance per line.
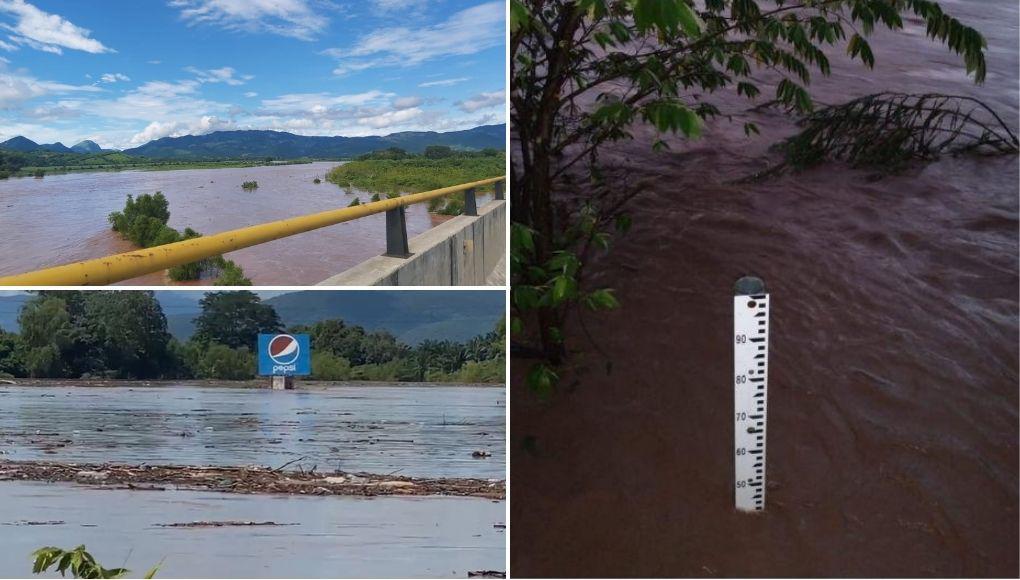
x=893, y=425
x=423, y=431
x=413, y=431
x=63, y=218
x=334, y=537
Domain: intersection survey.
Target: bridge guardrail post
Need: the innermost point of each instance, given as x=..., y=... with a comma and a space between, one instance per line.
x=500, y=191
x=396, y=234
x=470, y=203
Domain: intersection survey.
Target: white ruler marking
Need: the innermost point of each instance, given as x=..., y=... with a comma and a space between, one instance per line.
x=750, y=398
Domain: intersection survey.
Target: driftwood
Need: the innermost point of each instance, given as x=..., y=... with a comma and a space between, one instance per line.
x=204, y=524
x=888, y=130
x=252, y=479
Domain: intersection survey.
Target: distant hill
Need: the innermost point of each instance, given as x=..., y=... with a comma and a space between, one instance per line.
x=86, y=146
x=281, y=145
x=10, y=307
x=24, y=144
x=411, y=316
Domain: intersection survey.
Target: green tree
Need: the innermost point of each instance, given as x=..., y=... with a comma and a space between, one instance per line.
x=438, y=357
x=327, y=366
x=438, y=152
x=234, y=319
x=669, y=56
x=336, y=337
x=131, y=331
x=47, y=333
x=381, y=346
x=222, y=362
x=12, y=355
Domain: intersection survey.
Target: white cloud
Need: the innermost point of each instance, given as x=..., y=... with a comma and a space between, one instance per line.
x=319, y=103
x=251, y=94
x=47, y=32
x=201, y=126
x=16, y=88
x=482, y=101
x=293, y=18
x=159, y=101
x=444, y=82
x=113, y=78
x=219, y=75
x=7, y=46
x=399, y=5
x=391, y=118
x=154, y=61
x=465, y=32
x=407, y=102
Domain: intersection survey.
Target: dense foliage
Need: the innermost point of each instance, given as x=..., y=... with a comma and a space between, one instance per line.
x=106, y=334
x=583, y=72
x=14, y=163
x=144, y=222
x=78, y=562
x=395, y=171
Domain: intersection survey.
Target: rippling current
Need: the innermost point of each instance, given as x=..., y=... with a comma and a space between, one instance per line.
x=893, y=433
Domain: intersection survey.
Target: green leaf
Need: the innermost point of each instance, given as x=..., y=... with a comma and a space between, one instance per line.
x=602, y=299
x=564, y=287
x=668, y=16
x=542, y=379
x=519, y=15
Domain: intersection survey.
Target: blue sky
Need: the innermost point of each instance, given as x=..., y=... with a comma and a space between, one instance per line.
x=124, y=72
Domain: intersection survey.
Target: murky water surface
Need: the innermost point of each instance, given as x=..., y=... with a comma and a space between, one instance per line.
x=335, y=537
x=893, y=426
x=412, y=431
x=63, y=218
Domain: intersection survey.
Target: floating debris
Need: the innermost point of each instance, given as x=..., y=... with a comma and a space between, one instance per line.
x=481, y=454
x=220, y=524
x=486, y=574
x=31, y=523
x=249, y=479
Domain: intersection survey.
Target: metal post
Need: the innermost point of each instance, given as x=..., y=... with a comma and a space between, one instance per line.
x=470, y=204
x=396, y=234
x=499, y=185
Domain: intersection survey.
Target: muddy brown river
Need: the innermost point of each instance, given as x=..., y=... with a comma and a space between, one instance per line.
x=63, y=218
x=893, y=425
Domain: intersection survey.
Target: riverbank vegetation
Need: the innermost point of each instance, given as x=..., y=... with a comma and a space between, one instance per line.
x=395, y=172
x=250, y=185
x=21, y=163
x=123, y=335
x=144, y=222
x=657, y=63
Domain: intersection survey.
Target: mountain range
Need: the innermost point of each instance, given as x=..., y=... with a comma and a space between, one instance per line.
x=411, y=316
x=26, y=145
x=282, y=145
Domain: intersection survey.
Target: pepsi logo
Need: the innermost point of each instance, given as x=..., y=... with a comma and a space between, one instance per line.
x=284, y=349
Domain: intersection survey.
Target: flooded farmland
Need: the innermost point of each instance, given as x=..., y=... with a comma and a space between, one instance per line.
x=402, y=431
x=69, y=213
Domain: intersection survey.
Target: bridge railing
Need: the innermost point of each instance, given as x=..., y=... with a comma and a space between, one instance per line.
x=120, y=267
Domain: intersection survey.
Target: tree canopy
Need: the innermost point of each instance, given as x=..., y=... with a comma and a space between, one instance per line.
x=585, y=72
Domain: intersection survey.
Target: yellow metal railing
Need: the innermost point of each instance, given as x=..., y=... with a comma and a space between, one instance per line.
x=101, y=271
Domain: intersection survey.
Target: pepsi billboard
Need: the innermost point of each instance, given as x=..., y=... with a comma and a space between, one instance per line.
x=284, y=355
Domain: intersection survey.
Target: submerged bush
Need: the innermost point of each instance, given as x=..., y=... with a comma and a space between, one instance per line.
x=250, y=185
x=143, y=222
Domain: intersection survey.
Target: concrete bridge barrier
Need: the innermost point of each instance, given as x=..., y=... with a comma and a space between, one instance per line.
x=463, y=251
